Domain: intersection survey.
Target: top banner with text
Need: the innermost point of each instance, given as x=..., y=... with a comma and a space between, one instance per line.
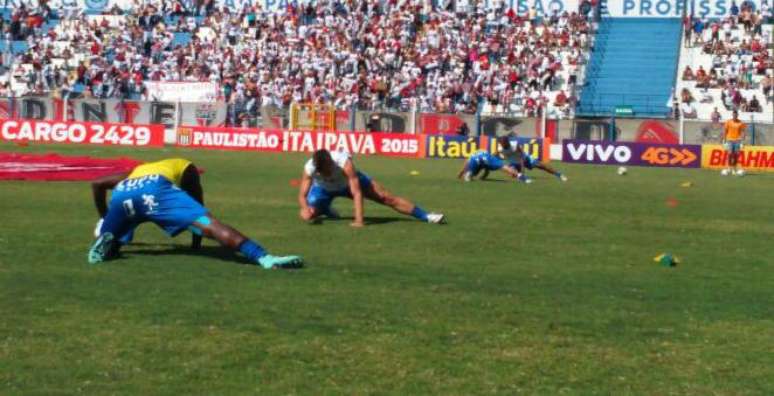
x=389, y=144
x=608, y=8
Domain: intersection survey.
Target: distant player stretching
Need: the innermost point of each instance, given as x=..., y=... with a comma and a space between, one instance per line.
x=514, y=152
x=329, y=175
x=167, y=193
x=510, y=158
x=733, y=136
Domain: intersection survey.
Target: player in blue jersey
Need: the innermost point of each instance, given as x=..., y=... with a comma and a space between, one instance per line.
x=484, y=161
x=328, y=175
x=167, y=193
x=510, y=157
x=511, y=150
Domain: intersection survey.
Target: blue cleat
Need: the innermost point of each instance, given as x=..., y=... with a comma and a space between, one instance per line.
x=281, y=262
x=102, y=249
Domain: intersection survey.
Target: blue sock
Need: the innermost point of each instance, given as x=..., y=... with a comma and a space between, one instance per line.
x=419, y=213
x=558, y=175
x=251, y=250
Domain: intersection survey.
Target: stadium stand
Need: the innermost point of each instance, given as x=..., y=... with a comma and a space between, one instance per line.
x=633, y=64
x=728, y=64
x=369, y=54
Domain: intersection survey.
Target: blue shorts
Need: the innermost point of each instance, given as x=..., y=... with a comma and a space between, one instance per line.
x=484, y=160
x=529, y=163
x=150, y=198
x=733, y=146
x=321, y=199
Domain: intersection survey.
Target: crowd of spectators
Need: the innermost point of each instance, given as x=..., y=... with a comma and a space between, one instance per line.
x=733, y=55
x=372, y=54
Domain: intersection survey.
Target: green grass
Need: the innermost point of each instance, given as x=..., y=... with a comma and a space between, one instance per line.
x=542, y=289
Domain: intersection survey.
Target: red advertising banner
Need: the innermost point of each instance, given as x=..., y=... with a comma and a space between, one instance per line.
x=75, y=132
x=389, y=144
x=445, y=124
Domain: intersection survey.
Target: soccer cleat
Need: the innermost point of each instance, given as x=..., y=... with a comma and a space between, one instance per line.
x=436, y=218
x=562, y=177
x=467, y=176
x=280, y=262
x=524, y=179
x=102, y=249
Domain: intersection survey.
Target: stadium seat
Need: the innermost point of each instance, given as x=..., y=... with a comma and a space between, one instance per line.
x=633, y=63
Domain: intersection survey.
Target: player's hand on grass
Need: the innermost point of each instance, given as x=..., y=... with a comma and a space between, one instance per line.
x=307, y=213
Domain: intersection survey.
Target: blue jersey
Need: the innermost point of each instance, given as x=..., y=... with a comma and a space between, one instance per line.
x=150, y=198
x=529, y=162
x=484, y=160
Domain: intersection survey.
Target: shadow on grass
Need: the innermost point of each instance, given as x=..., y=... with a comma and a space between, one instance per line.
x=495, y=180
x=214, y=252
x=367, y=220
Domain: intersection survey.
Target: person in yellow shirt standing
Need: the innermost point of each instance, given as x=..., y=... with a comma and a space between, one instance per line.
x=734, y=131
x=169, y=194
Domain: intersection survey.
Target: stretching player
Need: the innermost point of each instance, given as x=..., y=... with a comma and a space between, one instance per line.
x=167, y=193
x=483, y=160
x=329, y=175
x=514, y=152
x=510, y=158
x=507, y=159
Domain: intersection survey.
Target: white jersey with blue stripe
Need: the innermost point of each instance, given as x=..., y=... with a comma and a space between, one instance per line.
x=338, y=180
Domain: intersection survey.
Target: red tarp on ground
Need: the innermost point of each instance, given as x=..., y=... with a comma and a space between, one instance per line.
x=54, y=167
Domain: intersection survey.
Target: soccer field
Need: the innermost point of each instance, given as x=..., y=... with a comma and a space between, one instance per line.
x=545, y=288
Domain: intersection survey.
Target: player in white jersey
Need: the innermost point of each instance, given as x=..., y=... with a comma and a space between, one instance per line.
x=329, y=175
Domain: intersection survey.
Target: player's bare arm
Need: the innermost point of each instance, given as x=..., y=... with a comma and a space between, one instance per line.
x=191, y=183
x=462, y=171
x=100, y=187
x=307, y=213
x=357, y=193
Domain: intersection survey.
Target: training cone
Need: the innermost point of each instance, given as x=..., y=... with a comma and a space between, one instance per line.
x=667, y=260
x=414, y=173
